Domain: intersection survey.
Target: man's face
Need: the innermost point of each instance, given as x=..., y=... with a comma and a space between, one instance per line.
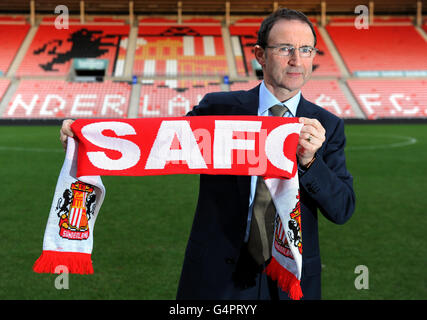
x=286, y=73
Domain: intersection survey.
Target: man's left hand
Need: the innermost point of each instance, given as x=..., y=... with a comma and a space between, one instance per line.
x=311, y=138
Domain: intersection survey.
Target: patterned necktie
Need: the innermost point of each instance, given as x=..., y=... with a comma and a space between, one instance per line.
x=278, y=110
x=264, y=213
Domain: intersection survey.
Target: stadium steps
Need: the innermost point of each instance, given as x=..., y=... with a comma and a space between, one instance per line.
x=351, y=99
x=8, y=95
x=421, y=32
x=128, y=73
x=134, y=100
x=131, y=45
x=22, y=51
x=232, y=70
x=334, y=52
x=4, y=85
x=243, y=32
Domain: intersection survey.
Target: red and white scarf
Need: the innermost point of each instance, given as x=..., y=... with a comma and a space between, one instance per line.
x=235, y=145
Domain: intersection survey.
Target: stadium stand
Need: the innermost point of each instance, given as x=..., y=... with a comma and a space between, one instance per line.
x=52, y=49
x=194, y=48
x=61, y=99
x=172, y=98
x=393, y=46
x=391, y=98
x=12, y=32
x=171, y=55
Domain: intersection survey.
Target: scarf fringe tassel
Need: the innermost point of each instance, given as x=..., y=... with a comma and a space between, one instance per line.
x=285, y=279
x=76, y=262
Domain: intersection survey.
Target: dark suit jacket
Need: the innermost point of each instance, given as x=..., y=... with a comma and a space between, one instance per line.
x=219, y=225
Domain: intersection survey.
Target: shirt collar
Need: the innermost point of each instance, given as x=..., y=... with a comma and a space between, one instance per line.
x=267, y=100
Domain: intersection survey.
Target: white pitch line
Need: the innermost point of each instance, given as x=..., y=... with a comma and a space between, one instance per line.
x=407, y=141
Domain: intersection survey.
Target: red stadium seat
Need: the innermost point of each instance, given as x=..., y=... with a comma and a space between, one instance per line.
x=190, y=49
x=12, y=36
x=52, y=50
x=380, y=48
x=391, y=98
x=61, y=99
x=172, y=98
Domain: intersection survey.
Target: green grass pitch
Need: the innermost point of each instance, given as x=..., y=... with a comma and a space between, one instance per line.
x=144, y=223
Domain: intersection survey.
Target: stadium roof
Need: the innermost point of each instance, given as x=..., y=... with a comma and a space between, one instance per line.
x=213, y=7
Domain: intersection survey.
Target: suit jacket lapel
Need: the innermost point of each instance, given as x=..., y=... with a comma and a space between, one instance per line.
x=304, y=109
x=249, y=101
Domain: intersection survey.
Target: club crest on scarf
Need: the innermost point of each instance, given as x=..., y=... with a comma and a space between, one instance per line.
x=294, y=234
x=295, y=226
x=74, y=210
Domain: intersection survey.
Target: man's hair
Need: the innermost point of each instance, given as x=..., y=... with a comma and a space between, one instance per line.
x=281, y=14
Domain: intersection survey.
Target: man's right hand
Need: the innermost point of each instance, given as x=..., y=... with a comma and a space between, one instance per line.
x=66, y=132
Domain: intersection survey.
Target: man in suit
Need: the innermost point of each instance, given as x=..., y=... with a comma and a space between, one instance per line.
x=226, y=251
x=218, y=262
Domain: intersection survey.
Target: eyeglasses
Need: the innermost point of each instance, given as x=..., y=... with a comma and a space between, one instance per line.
x=287, y=50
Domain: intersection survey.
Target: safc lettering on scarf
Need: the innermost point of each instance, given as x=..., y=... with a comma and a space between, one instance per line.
x=238, y=145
